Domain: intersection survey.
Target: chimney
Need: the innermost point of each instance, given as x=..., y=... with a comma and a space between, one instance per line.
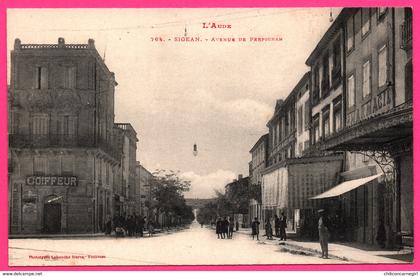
x=239, y=176
x=91, y=43
x=17, y=44
x=61, y=42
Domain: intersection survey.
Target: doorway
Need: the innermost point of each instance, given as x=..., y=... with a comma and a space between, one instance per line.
x=52, y=217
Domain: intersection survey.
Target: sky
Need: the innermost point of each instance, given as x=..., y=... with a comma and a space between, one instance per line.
x=218, y=95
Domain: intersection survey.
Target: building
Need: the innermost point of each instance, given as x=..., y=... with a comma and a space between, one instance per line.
x=303, y=114
x=259, y=155
x=144, y=188
x=294, y=174
x=127, y=139
x=63, y=162
x=377, y=124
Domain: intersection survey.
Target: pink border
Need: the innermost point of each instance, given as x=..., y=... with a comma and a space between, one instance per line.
x=4, y=5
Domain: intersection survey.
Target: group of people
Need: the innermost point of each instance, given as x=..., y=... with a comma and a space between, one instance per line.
x=225, y=228
x=131, y=225
x=280, y=225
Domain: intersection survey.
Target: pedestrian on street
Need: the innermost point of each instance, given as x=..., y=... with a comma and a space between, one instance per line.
x=219, y=227
x=225, y=228
x=150, y=227
x=141, y=222
x=108, y=226
x=231, y=226
x=283, y=226
x=323, y=233
x=237, y=226
x=268, y=229
x=255, y=228
x=277, y=226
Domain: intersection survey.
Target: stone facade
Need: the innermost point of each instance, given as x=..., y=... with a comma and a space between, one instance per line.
x=63, y=162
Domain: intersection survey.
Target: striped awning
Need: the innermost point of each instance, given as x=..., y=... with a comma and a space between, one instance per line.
x=346, y=186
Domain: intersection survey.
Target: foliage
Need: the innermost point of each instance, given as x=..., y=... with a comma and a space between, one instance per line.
x=168, y=194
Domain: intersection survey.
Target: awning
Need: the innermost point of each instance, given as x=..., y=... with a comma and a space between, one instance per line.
x=346, y=186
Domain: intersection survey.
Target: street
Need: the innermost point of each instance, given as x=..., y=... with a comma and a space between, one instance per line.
x=195, y=245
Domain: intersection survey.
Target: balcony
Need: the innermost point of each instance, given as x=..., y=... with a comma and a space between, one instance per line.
x=407, y=34
x=62, y=141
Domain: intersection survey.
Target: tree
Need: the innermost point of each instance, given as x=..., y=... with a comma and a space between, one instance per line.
x=168, y=194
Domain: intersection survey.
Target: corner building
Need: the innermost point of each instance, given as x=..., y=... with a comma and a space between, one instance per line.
x=62, y=162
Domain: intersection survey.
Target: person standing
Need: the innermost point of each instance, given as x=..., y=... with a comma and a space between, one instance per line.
x=255, y=228
x=323, y=233
x=276, y=226
x=142, y=221
x=225, y=228
x=231, y=227
x=268, y=229
x=283, y=226
x=150, y=227
x=219, y=227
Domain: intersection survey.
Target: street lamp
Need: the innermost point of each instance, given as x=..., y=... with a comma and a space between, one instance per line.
x=195, y=151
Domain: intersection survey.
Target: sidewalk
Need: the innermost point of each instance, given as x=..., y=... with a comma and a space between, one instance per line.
x=89, y=235
x=349, y=252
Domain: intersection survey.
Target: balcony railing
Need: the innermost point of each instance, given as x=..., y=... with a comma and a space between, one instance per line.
x=406, y=34
x=62, y=141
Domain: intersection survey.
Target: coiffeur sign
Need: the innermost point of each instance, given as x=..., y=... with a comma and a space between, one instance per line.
x=51, y=181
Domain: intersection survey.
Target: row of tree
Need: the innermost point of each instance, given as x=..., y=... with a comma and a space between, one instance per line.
x=167, y=198
x=235, y=200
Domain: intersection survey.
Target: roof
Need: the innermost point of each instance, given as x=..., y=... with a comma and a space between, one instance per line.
x=285, y=103
x=329, y=34
x=262, y=138
x=61, y=45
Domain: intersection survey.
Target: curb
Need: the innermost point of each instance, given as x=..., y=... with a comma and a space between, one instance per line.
x=296, y=249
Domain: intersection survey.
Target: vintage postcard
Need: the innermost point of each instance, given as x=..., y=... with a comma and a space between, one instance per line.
x=210, y=136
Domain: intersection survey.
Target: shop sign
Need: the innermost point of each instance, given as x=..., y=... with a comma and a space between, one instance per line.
x=70, y=181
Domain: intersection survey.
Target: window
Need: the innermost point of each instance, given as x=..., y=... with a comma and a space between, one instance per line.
x=40, y=124
x=300, y=119
x=67, y=165
x=316, y=128
x=383, y=66
x=336, y=60
x=67, y=125
x=365, y=21
x=350, y=34
x=325, y=85
x=350, y=91
x=307, y=114
x=366, y=79
x=337, y=114
x=40, y=165
x=69, y=78
x=409, y=81
x=326, y=122
x=315, y=92
x=41, y=77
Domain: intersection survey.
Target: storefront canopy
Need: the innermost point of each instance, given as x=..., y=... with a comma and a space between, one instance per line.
x=346, y=186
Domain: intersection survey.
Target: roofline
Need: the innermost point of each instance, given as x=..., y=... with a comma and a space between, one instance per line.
x=258, y=142
x=345, y=12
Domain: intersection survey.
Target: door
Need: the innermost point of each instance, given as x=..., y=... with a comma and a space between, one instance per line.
x=52, y=217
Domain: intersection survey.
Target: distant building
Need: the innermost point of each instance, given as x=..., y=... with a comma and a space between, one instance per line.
x=128, y=140
x=63, y=159
x=259, y=155
x=144, y=189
